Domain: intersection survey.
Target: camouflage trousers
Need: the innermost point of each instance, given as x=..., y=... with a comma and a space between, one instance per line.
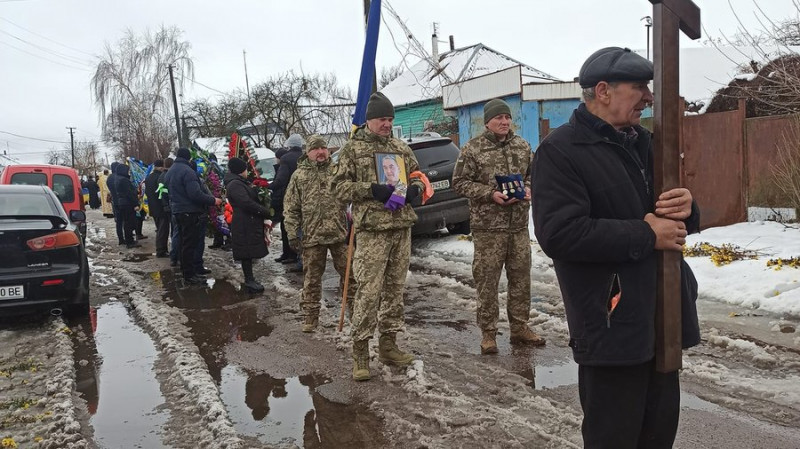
x=380, y=263
x=492, y=251
x=315, y=259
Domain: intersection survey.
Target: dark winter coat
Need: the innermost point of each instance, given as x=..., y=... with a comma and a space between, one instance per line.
x=126, y=191
x=590, y=196
x=94, y=191
x=285, y=170
x=111, y=182
x=154, y=206
x=247, y=225
x=186, y=193
x=162, y=180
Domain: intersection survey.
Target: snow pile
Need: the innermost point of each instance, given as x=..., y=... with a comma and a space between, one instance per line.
x=751, y=283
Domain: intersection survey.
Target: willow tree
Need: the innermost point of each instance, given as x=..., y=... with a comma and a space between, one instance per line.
x=131, y=88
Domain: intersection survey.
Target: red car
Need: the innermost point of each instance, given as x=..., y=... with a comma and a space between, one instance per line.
x=62, y=180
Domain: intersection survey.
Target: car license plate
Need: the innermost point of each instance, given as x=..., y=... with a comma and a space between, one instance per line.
x=12, y=292
x=441, y=185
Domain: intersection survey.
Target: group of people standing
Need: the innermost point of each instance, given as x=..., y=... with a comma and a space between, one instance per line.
x=125, y=199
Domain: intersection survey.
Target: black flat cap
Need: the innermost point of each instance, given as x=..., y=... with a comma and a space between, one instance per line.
x=612, y=64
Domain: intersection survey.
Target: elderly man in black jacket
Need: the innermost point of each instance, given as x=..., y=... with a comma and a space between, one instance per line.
x=111, y=183
x=188, y=201
x=156, y=208
x=596, y=214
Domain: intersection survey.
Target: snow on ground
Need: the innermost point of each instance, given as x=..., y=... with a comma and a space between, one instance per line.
x=751, y=283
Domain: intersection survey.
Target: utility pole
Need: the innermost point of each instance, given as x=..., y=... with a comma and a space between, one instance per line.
x=175, y=105
x=246, y=80
x=648, y=22
x=72, y=143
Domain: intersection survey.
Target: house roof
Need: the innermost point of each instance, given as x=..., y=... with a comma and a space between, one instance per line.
x=705, y=70
x=423, y=81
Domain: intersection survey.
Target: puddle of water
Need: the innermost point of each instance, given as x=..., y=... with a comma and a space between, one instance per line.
x=690, y=401
x=87, y=362
x=543, y=377
x=218, y=292
x=128, y=393
x=288, y=412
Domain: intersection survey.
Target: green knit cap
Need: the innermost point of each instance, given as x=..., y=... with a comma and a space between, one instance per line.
x=379, y=106
x=493, y=108
x=315, y=141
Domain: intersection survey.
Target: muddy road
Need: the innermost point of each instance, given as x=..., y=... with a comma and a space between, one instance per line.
x=160, y=365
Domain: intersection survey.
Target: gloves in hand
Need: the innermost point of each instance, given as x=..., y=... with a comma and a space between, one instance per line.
x=412, y=193
x=382, y=192
x=294, y=244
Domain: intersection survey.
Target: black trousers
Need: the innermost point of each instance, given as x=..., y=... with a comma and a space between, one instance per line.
x=288, y=253
x=628, y=407
x=139, y=222
x=189, y=229
x=127, y=220
x=118, y=222
x=163, y=224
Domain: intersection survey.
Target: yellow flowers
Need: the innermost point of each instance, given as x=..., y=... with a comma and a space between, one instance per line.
x=777, y=264
x=66, y=330
x=8, y=442
x=720, y=255
x=38, y=439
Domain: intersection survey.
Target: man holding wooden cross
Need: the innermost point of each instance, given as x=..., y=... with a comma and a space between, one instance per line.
x=597, y=215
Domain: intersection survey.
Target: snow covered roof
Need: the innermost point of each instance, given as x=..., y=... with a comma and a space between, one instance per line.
x=705, y=70
x=422, y=81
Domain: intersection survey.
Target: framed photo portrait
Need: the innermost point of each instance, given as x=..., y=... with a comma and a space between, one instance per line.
x=391, y=169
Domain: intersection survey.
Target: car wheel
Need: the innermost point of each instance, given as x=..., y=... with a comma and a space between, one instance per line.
x=459, y=228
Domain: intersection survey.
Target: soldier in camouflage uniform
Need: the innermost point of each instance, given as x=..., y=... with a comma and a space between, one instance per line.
x=499, y=223
x=315, y=220
x=383, y=235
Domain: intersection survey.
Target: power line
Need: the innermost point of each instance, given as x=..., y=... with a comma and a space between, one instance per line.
x=47, y=50
x=47, y=38
x=41, y=140
x=46, y=59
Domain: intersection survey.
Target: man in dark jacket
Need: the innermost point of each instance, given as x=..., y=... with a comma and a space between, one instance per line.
x=286, y=167
x=94, y=191
x=127, y=204
x=156, y=208
x=188, y=202
x=595, y=213
x=111, y=183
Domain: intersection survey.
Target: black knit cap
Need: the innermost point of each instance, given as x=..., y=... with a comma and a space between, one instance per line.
x=379, y=106
x=493, y=108
x=612, y=64
x=158, y=163
x=184, y=153
x=236, y=165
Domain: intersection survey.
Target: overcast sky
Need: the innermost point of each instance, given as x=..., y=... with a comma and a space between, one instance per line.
x=47, y=46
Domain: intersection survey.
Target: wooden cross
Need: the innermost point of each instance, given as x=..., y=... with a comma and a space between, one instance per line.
x=670, y=17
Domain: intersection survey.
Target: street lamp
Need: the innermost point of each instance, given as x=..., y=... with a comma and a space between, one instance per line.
x=648, y=22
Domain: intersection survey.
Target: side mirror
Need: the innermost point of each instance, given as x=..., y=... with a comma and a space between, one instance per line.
x=77, y=215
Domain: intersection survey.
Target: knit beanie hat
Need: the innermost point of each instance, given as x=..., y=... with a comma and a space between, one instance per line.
x=379, y=106
x=236, y=165
x=158, y=163
x=315, y=141
x=493, y=108
x=184, y=153
x=294, y=141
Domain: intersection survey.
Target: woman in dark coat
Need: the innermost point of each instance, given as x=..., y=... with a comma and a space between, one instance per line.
x=94, y=193
x=247, y=225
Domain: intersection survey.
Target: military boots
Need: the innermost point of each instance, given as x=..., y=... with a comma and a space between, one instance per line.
x=526, y=336
x=390, y=354
x=361, y=360
x=310, y=323
x=489, y=344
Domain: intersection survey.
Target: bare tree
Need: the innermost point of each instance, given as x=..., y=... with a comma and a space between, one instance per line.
x=87, y=157
x=389, y=74
x=132, y=90
x=59, y=157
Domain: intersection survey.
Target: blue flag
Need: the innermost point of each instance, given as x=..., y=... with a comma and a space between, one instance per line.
x=368, y=63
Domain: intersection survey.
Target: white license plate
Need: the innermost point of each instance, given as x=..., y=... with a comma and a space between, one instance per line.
x=441, y=185
x=12, y=292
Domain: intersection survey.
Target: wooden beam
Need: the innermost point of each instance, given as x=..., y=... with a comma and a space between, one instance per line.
x=688, y=15
x=666, y=148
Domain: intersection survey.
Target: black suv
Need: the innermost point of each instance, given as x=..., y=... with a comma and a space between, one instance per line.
x=437, y=158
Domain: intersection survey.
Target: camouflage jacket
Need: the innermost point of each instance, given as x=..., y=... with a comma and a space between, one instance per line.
x=356, y=171
x=481, y=159
x=310, y=207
